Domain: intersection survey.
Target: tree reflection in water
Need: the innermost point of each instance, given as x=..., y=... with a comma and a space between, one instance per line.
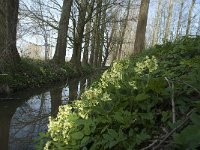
x=19, y=126
x=56, y=101
x=29, y=119
x=5, y=120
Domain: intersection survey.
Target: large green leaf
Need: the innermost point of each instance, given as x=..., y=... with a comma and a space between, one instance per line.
x=77, y=135
x=195, y=118
x=141, y=97
x=189, y=138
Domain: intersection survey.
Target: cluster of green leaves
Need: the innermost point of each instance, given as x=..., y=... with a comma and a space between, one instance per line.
x=35, y=73
x=131, y=103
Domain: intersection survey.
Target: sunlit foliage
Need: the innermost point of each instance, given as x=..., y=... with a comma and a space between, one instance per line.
x=131, y=103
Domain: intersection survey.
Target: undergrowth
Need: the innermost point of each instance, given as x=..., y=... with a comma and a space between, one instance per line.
x=145, y=102
x=33, y=73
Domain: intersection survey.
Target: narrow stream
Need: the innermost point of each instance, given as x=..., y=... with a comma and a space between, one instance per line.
x=21, y=120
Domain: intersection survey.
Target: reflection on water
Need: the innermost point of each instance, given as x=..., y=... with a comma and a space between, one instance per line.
x=21, y=122
x=56, y=100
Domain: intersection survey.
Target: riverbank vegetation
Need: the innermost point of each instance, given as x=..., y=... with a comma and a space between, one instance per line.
x=148, y=101
x=84, y=32
x=32, y=73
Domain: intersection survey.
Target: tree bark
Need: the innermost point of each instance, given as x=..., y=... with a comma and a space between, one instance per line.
x=102, y=32
x=179, y=19
x=168, y=23
x=190, y=17
x=61, y=45
x=124, y=30
x=73, y=90
x=88, y=34
x=91, y=60
x=87, y=43
x=156, y=27
x=9, y=56
x=76, y=56
x=97, y=32
x=198, y=28
x=141, y=26
x=2, y=26
x=93, y=42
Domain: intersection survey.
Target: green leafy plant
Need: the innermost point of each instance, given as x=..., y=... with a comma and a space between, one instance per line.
x=131, y=105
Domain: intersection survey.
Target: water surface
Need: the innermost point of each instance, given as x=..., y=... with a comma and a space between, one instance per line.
x=25, y=115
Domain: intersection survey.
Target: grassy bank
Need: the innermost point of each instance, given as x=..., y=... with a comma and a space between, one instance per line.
x=150, y=101
x=37, y=73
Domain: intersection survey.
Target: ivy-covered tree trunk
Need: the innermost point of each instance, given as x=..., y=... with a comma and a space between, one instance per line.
x=61, y=45
x=9, y=56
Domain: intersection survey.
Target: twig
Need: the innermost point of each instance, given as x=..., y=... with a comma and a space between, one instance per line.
x=173, y=105
x=170, y=133
x=171, y=85
x=189, y=85
x=151, y=145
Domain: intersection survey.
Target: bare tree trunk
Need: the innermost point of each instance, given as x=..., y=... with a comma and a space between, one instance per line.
x=124, y=30
x=190, y=17
x=169, y=19
x=141, y=26
x=76, y=56
x=91, y=60
x=97, y=35
x=113, y=43
x=117, y=47
x=106, y=50
x=87, y=43
x=156, y=27
x=46, y=47
x=9, y=56
x=73, y=90
x=45, y=36
x=87, y=34
x=2, y=25
x=108, y=46
x=179, y=19
x=61, y=44
x=93, y=43
x=198, y=29
x=102, y=32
